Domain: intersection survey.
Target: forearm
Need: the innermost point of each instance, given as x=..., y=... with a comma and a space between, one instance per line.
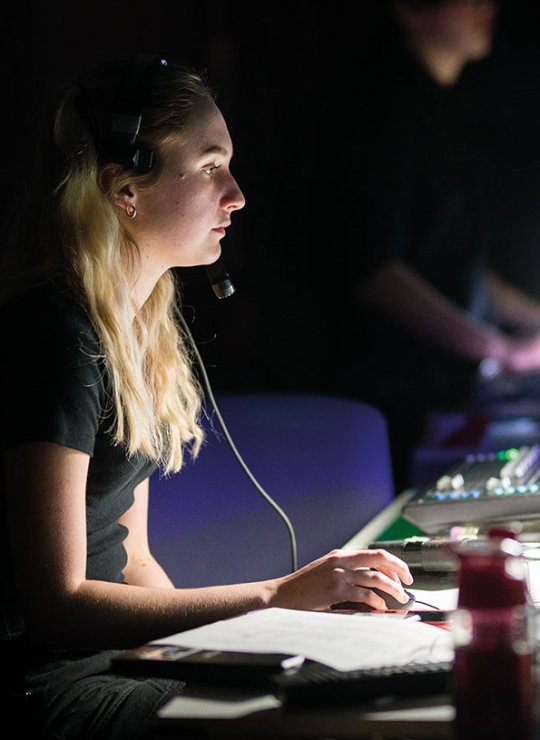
x=101, y=614
x=411, y=302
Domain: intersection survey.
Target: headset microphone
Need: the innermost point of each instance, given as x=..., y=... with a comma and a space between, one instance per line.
x=221, y=283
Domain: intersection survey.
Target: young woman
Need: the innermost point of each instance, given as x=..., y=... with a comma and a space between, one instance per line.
x=100, y=392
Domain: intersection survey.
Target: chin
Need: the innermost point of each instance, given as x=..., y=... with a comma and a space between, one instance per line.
x=213, y=255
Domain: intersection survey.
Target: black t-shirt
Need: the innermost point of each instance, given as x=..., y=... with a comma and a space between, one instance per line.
x=56, y=389
x=425, y=178
x=419, y=193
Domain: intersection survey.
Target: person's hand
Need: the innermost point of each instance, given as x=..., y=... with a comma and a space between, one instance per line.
x=523, y=354
x=342, y=576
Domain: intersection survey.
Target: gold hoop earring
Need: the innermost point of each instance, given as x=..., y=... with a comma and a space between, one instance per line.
x=131, y=211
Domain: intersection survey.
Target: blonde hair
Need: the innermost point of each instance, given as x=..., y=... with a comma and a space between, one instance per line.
x=155, y=394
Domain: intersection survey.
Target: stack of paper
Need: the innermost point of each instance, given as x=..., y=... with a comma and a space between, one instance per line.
x=343, y=641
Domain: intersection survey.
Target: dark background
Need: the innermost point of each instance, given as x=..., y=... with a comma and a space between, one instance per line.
x=275, y=68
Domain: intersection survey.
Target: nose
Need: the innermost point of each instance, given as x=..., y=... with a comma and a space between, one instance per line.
x=233, y=197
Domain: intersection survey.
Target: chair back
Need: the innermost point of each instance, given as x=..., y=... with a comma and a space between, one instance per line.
x=324, y=460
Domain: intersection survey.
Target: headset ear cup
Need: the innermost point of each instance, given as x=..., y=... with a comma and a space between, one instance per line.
x=122, y=128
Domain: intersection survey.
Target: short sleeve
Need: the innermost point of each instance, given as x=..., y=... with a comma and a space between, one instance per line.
x=51, y=372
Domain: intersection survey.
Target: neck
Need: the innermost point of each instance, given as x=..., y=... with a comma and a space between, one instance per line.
x=143, y=286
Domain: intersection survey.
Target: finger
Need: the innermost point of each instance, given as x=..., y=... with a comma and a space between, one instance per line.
x=368, y=586
x=391, y=565
x=374, y=579
x=368, y=597
x=380, y=559
x=360, y=599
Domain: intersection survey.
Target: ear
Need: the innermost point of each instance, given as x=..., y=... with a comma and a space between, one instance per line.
x=106, y=180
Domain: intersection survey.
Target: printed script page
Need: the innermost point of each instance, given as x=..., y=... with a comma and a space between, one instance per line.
x=342, y=641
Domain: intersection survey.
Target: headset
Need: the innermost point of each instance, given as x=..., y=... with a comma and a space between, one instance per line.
x=118, y=143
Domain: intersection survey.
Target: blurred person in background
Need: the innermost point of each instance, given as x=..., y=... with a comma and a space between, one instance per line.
x=419, y=307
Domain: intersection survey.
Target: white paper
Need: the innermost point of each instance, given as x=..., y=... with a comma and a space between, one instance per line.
x=342, y=641
x=218, y=704
x=445, y=599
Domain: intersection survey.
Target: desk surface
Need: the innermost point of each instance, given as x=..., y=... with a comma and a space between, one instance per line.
x=430, y=717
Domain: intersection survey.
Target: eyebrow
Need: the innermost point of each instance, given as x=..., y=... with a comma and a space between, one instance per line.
x=214, y=149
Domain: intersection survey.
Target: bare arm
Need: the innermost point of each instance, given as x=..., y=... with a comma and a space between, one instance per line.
x=412, y=302
x=46, y=500
x=142, y=568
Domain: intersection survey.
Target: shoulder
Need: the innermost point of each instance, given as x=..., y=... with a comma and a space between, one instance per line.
x=46, y=332
x=51, y=295
x=48, y=312
x=51, y=362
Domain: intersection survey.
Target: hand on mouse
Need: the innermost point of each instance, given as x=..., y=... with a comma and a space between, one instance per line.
x=344, y=576
x=391, y=603
x=387, y=597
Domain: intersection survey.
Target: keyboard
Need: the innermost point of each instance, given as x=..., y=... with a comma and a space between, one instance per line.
x=315, y=683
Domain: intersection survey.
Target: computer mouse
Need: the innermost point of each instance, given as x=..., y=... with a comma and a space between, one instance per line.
x=392, y=604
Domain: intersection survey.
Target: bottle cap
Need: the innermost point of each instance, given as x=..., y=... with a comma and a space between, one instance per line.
x=492, y=573
x=502, y=533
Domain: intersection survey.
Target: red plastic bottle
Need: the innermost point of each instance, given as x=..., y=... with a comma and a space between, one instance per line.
x=495, y=638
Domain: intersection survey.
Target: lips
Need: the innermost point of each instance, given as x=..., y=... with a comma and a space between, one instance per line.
x=221, y=228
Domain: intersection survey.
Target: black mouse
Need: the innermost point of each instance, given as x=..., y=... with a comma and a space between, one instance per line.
x=392, y=604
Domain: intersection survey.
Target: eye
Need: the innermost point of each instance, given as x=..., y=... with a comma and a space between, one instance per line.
x=211, y=169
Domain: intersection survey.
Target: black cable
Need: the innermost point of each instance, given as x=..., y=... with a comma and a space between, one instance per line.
x=228, y=437
x=431, y=606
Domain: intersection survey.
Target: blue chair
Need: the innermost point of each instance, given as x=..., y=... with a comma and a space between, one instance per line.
x=324, y=460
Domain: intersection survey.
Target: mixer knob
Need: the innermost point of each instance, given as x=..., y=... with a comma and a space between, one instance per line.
x=458, y=481
x=444, y=483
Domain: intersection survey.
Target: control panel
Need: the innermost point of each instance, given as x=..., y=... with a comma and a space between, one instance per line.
x=494, y=486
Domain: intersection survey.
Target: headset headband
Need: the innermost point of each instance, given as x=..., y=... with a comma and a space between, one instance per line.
x=133, y=93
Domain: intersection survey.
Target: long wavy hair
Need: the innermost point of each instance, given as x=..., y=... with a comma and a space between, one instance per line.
x=72, y=229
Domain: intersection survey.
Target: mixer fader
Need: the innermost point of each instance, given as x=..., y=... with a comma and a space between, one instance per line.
x=495, y=486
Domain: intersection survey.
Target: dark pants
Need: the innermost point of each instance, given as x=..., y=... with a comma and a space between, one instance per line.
x=79, y=697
